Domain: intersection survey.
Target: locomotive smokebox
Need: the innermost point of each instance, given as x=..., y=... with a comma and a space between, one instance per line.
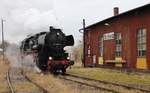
x=69, y=40
x=57, y=40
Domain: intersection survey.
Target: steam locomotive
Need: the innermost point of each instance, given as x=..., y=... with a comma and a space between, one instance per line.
x=48, y=50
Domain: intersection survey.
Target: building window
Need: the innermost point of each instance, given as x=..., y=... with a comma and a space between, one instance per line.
x=118, y=44
x=101, y=45
x=89, y=51
x=141, y=42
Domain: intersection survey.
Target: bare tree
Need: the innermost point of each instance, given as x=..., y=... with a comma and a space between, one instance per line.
x=78, y=52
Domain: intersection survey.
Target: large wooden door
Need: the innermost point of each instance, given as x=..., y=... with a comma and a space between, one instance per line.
x=109, y=50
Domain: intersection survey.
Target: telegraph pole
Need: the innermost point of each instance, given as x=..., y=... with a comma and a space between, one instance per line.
x=80, y=30
x=84, y=42
x=2, y=22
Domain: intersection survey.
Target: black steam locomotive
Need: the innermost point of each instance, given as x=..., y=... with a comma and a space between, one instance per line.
x=48, y=50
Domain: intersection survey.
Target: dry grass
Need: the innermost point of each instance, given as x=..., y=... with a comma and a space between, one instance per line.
x=3, y=69
x=55, y=85
x=110, y=75
x=49, y=82
x=25, y=87
x=19, y=87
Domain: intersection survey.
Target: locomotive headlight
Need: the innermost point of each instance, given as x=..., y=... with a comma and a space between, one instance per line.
x=50, y=58
x=68, y=58
x=58, y=34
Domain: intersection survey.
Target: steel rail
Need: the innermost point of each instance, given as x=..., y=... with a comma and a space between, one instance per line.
x=31, y=81
x=9, y=82
x=106, y=82
x=89, y=85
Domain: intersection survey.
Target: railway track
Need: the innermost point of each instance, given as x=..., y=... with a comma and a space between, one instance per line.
x=104, y=85
x=22, y=80
x=89, y=85
x=9, y=83
x=44, y=91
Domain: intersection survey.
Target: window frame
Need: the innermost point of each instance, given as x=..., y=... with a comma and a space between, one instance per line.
x=89, y=50
x=141, y=42
x=101, y=46
x=118, y=44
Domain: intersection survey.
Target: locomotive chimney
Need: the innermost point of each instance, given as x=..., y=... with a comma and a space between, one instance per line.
x=116, y=11
x=51, y=28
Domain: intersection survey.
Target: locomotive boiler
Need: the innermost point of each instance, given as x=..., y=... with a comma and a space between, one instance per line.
x=48, y=50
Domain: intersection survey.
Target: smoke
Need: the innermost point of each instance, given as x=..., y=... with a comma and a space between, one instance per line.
x=14, y=57
x=27, y=62
x=24, y=17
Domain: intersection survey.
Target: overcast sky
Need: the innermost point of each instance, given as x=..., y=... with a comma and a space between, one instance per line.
x=25, y=17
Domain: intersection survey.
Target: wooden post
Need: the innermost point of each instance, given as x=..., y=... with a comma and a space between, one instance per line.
x=84, y=42
x=2, y=21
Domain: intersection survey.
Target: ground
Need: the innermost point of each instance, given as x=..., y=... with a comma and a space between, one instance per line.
x=115, y=76
x=55, y=85
x=3, y=69
x=23, y=86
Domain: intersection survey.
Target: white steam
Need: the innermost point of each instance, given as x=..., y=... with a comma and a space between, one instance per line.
x=24, y=17
x=13, y=55
x=16, y=60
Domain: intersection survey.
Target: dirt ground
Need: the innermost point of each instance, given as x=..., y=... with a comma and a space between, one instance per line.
x=55, y=85
x=3, y=69
x=116, y=76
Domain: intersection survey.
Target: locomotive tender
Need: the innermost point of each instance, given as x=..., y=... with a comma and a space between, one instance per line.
x=48, y=50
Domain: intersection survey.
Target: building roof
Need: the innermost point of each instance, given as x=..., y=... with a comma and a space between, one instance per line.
x=128, y=12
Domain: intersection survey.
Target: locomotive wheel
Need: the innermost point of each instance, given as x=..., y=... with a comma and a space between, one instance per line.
x=53, y=70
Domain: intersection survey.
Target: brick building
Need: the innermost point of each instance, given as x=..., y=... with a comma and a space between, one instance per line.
x=122, y=40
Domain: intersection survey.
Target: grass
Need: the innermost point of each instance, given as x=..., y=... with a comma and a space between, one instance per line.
x=55, y=85
x=25, y=87
x=49, y=82
x=21, y=87
x=110, y=75
x=3, y=88
x=3, y=83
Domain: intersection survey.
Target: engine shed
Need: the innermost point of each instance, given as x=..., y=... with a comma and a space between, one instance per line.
x=122, y=40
